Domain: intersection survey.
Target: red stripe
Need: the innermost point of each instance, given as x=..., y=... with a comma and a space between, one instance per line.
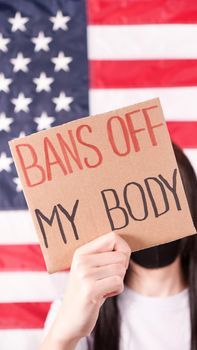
x=143, y=73
x=23, y=315
x=184, y=133
x=21, y=257
x=141, y=12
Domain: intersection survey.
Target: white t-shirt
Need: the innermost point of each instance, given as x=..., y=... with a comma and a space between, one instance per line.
x=147, y=323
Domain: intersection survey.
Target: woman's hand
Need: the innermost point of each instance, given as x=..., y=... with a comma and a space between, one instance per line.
x=97, y=272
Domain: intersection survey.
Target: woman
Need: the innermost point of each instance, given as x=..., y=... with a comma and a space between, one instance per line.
x=116, y=300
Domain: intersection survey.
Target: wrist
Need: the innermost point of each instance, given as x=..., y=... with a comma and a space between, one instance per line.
x=63, y=340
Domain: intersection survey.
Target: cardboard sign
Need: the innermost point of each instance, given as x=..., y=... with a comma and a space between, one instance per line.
x=114, y=171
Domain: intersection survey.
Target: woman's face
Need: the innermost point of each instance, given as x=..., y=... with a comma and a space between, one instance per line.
x=159, y=256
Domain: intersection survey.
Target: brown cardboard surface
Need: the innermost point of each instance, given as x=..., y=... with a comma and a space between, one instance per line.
x=114, y=171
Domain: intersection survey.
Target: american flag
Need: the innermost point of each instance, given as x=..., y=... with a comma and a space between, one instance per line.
x=62, y=60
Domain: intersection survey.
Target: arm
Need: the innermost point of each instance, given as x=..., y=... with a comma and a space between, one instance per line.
x=52, y=341
x=97, y=272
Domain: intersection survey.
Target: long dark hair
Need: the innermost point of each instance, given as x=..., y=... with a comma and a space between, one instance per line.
x=106, y=332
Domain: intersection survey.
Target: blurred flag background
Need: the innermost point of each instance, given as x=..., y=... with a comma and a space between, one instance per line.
x=62, y=60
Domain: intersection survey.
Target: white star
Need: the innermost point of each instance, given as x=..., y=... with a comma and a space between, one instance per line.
x=18, y=22
x=59, y=21
x=22, y=134
x=43, y=82
x=62, y=102
x=20, y=62
x=61, y=62
x=18, y=183
x=3, y=43
x=21, y=103
x=5, y=122
x=41, y=42
x=44, y=121
x=5, y=162
x=4, y=83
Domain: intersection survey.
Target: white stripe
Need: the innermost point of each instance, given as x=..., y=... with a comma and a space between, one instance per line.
x=17, y=227
x=192, y=155
x=142, y=41
x=26, y=339
x=177, y=103
x=31, y=286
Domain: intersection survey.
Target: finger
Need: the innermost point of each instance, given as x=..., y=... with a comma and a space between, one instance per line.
x=106, y=258
x=102, y=272
x=111, y=285
x=107, y=242
x=109, y=295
